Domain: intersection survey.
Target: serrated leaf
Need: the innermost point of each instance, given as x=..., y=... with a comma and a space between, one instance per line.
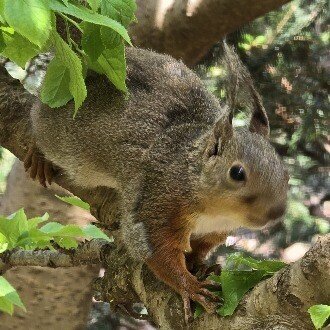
x=66, y=2
x=75, y=201
x=72, y=62
x=88, y=16
x=31, y=19
x=14, y=44
x=55, y=90
x=234, y=285
x=113, y=63
x=119, y=10
x=94, y=232
x=319, y=315
x=94, y=4
x=6, y=306
x=66, y=242
x=91, y=41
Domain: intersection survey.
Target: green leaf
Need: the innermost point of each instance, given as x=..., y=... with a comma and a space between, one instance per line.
x=94, y=4
x=3, y=243
x=72, y=62
x=56, y=229
x=51, y=227
x=199, y=310
x=119, y=10
x=88, y=16
x=55, y=90
x=237, y=260
x=66, y=242
x=234, y=285
x=66, y=2
x=113, y=63
x=9, y=293
x=6, y=306
x=93, y=232
x=2, y=42
x=13, y=227
x=260, y=40
x=91, y=40
x=75, y=201
x=13, y=46
x=31, y=19
x=34, y=222
x=110, y=39
x=319, y=315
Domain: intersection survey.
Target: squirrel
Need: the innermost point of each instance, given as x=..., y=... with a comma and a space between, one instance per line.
x=184, y=175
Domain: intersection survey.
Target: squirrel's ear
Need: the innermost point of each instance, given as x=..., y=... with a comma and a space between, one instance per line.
x=259, y=121
x=222, y=132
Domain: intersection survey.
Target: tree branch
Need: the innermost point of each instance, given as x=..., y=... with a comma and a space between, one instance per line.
x=88, y=253
x=188, y=29
x=280, y=302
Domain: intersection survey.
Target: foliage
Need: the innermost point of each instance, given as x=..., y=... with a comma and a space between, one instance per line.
x=320, y=314
x=17, y=231
x=100, y=26
x=239, y=275
x=9, y=297
x=75, y=201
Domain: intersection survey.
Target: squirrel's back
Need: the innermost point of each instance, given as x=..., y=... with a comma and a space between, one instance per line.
x=167, y=104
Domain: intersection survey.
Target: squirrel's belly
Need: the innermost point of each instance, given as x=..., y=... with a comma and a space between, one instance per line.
x=205, y=224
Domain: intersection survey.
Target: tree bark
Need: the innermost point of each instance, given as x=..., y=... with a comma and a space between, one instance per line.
x=277, y=303
x=187, y=29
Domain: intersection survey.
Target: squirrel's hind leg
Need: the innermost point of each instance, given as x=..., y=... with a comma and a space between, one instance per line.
x=39, y=167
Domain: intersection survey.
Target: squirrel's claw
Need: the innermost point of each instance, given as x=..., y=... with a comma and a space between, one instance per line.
x=39, y=167
x=200, y=294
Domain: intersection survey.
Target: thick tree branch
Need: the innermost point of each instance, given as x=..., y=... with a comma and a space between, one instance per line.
x=280, y=302
x=87, y=253
x=188, y=29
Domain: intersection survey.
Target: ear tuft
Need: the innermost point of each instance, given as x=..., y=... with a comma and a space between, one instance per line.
x=259, y=121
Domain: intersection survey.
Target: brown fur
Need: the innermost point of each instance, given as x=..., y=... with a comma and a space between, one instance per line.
x=166, y=149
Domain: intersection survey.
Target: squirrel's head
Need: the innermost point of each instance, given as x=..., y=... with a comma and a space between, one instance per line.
x=245, y=179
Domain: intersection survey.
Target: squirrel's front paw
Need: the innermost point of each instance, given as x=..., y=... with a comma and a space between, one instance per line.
x=39, y=167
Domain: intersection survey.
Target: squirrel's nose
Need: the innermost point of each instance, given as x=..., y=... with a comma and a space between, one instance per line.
x=276, y=212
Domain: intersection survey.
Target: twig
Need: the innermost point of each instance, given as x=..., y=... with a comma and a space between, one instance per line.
x=87, y=253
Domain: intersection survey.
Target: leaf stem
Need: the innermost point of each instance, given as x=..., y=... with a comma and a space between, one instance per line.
x=71, y=21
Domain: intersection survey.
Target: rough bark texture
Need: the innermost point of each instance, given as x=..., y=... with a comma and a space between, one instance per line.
x=87, y=253
x=278, y=303
x=187, y=29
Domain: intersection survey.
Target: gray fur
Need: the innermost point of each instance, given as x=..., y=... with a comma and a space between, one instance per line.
x=151, y=146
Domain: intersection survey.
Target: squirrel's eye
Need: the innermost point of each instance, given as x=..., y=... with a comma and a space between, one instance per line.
x=237, y=173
